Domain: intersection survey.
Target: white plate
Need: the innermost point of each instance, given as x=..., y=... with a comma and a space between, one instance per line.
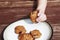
x=43, y=27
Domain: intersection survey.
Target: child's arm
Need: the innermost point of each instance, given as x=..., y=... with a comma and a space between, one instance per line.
x=41, y=8
x=42, y=5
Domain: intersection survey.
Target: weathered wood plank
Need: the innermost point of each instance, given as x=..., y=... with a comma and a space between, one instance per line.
x=26, y=4
x=16, y=4
x=25, y=0
x=53, y=14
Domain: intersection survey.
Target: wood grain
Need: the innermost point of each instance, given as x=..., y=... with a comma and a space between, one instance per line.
x=13, y=11
x=22, y=0
x=25, y=4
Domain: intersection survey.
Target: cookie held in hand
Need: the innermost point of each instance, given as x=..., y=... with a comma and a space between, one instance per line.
x=33, y=16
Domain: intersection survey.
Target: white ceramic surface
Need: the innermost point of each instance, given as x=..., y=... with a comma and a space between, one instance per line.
x=43, y=27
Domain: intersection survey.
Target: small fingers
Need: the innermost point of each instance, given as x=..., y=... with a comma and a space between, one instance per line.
x=42, y=17
x=39, y=13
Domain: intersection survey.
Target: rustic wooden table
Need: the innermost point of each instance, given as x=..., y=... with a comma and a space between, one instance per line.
x=11, y=11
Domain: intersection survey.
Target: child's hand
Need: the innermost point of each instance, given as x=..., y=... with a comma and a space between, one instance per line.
x=41, y=7
x=41, y=17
